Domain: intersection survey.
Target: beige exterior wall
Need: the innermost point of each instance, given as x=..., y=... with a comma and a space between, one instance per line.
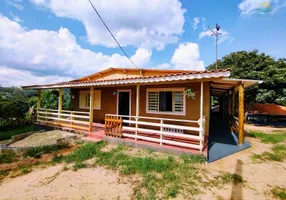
x=118, y=73
x=109, y=102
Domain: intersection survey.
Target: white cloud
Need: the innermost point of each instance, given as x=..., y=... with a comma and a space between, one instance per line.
x=15, y=3
x=41, y=56
x=163, y=66
x=15, y=18
x=187, y=56
x=196, y=21
x=14, y=77
x=225, y=36
x=55, y=53
x=249, y=7
x=139, y=23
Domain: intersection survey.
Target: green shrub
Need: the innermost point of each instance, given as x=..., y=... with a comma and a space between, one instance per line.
x=4, y=135
x=37, y=152
x=8, y=157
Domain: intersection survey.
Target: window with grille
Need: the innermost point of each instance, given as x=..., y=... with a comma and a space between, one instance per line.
x=166, y=100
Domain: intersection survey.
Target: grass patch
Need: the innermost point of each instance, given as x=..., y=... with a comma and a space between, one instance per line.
x=165, y=177
x=78, y=166
x=148, y=150
x=273, y=138
x=193, y=158
x=56, y=158
x=85, y=152
x=279, y=192
x=278, y=154
x=25, y=170
x=8, y=157
x=227, y=178
x=37, y=152
x=4, y=135
x=3, y=174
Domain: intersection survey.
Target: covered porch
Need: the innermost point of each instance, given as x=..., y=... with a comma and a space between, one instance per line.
x=179, y=132
x=227, y=118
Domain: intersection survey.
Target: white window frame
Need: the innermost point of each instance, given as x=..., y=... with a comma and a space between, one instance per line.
x=165, y=90
x=87, y=92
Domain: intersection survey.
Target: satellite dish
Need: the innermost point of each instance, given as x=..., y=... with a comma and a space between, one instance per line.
x=217, y=27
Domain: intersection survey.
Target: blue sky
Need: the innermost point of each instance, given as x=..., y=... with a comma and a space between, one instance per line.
x=45, y=41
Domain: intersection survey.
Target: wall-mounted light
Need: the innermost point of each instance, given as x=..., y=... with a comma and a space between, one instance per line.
x=72, y=96
x=114, y=93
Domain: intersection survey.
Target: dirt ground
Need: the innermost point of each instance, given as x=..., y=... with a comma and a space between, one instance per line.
x=259, y=177
x=43, y=138
x=91, y=183
x=264, y=129
x=100, y=183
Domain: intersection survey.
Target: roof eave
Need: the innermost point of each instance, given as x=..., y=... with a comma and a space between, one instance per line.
x=198, y=76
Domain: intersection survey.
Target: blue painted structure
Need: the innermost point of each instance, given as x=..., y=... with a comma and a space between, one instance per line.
x=221, y=141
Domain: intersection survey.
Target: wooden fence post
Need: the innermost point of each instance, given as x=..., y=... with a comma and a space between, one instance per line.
x=60, y=104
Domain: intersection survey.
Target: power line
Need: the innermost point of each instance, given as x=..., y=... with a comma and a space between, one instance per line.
x=111, y=34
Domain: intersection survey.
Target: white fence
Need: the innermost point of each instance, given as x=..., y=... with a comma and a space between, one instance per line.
x=165, y=130
x=64, y=118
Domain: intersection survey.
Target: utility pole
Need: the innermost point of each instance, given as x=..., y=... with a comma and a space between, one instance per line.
x=216, y=34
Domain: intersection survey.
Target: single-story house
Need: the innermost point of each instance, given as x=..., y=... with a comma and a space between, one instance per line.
x=167, y=107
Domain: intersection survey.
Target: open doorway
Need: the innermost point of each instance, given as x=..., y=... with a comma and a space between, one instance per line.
x=124, y=102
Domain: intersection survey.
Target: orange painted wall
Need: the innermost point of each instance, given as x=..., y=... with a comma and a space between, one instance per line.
x=109, y=102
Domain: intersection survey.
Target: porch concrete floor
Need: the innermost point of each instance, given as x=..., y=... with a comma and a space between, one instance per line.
x=222, y=142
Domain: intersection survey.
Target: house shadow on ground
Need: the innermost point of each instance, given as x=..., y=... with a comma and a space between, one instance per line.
x=236, y=191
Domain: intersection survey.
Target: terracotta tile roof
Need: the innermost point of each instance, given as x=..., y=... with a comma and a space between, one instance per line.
x=268, y=109
x=77, y=81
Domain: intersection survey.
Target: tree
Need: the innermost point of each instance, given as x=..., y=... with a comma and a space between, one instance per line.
x=255, y=65
x=15, y=104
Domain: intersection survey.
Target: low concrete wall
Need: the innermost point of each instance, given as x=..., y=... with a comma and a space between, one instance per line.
x=24, y=135
x=162, y=149
x=6, y=148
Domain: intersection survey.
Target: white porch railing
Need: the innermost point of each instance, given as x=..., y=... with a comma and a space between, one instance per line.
x=64, y=118
x=164, y=124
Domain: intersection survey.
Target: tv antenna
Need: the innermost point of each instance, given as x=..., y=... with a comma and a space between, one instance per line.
x=216, y=34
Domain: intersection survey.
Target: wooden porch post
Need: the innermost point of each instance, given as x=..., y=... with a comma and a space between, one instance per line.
x=38, y=102
x=241, y=113
x=39, y=99
x=137, y=107
x=60, y=103
x=201, y=115
x=91, y=108
x=202, y=102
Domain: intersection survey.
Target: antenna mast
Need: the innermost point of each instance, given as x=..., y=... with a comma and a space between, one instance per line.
x=216, y=34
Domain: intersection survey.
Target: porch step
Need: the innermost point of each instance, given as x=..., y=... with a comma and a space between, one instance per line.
x=91, y=139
